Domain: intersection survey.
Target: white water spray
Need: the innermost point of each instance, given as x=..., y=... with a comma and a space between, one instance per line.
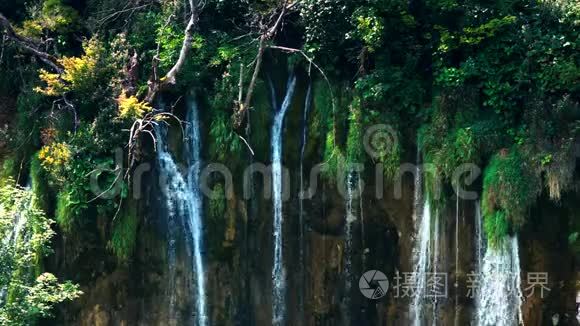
x=183, y=200
x=278, y=271
x=352, y=185
x=499, y=298
x=173, y=191
x=194, y=218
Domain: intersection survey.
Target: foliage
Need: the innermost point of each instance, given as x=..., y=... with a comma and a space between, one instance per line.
x=131, y=108
x=334, y=158
x=54, y=16
x=55, y=158
x=354, y=142
x=124, y=235
x=39, y=184
x=217, y=202
x=368, y=27
x=322, y=29
x=510, y=187
x=81, y=74
x=28, y=233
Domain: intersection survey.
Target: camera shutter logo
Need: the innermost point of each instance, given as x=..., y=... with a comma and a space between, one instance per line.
x=373, y=284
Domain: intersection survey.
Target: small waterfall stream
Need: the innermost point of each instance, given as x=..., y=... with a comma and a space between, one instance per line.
x=183, y=200
x=17, y=232
x=422, y=258
x=173, y=191
x=499, y=298
x=194, y=218
x=480, y=237
x=426, y=258
x=352, y=188
x=435, y=258
x=278, y=271
x=456, y=285
x=422, y=247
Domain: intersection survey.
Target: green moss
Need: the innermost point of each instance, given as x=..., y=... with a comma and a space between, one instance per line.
x=225, y=144
x=9, y=170
x=71, y=209
x=217, y=202
x=63, y=211
x=496, y=228
x=510, y=187
x=124, y=235
x=354, y=141
x=39, y=184
x=334, y=157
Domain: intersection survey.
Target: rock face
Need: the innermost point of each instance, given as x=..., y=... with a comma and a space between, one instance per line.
x=238, y=280
x=239, y=262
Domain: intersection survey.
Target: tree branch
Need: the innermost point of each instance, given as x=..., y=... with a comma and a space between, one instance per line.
x=241, y=108
x=156, y=84
x=29, y=45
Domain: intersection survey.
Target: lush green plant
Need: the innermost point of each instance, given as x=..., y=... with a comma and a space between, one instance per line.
x=28, y=233
x=130, y=107
x=510, y=186
x=124, y=235
x=368, y=27
x=217, y=202
x=354, y=141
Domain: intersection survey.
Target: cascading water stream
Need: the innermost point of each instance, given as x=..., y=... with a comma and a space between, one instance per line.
x=422, y=255
x=278, y=271
x=435, y=261
x=194, y=218
x=183, y=199
x=173, y=191
x=499, y=298
x=425, y=251
x=18, y=231
x=302, y=276
x=480, y=236
x=457, y=307
x=351, y=217
x=422, y=247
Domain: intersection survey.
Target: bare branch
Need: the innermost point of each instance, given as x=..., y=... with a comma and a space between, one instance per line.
x=156, y=84
x=241, y=108
x=29, y=45
x=311, y=61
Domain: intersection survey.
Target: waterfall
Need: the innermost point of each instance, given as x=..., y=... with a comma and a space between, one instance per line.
x=422, y=259
x=422, y=218
x=480, y=236
x=173, y=190
x=499, y=298
x=278, y=272
x=183, y=200
x=351, y=217
x=194, y=218
x=425, y=250
x=18, y=231
x=457, y=307
x=435, y=258
x=302, y=275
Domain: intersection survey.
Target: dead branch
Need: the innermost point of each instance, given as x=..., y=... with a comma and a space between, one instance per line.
x=267, y=35
x=157, y=84
x=311, y=61
x=29, y=45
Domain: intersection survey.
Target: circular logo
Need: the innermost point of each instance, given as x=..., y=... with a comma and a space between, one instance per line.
x=373, y=284
x=380, y=140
